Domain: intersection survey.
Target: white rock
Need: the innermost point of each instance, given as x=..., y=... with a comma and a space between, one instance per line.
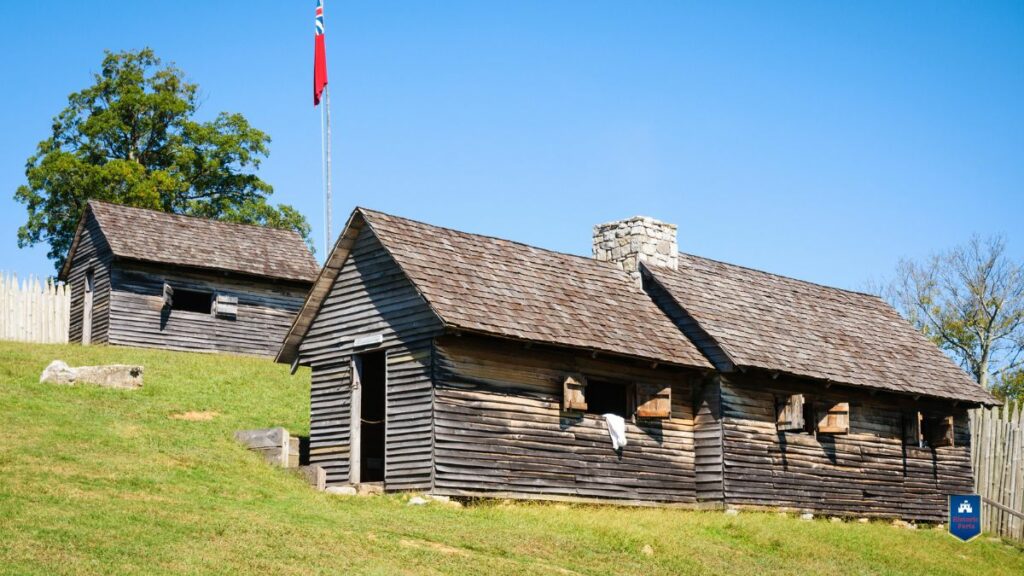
x=904, y=524
x=341, y=490
x=807, y=516
x=647, y=550
x=732, y=512
x=108, y=376
x=417, y=501
x=863, y=520
x=58, y=373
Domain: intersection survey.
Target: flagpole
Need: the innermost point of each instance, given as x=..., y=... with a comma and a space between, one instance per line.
x=323, y=179
x=327, y=190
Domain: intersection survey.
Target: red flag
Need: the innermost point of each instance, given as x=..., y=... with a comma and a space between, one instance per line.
x=319, y=55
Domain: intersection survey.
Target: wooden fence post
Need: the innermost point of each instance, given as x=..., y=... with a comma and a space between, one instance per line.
x=997, y=456
x=34, y=310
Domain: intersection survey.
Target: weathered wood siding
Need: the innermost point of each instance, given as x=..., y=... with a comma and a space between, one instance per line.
x=499, y=429
x=372, y=296
x=138, y=316
x=868, y=472
x=93, y=253
x=707, y=439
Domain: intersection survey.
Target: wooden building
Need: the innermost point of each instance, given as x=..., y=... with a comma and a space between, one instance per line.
x=147, y=278
x=466, y=365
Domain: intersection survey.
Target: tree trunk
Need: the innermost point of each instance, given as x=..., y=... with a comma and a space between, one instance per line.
x=983, y=368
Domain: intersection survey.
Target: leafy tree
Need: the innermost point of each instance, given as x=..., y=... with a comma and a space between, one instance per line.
x=131, y=138
x=1010, y=386
x=969, y=301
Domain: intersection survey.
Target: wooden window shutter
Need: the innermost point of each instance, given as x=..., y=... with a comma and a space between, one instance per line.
x=941, y=432
x=835, y=420
x=574, y=393
x=225, y=306
x=912, y=428
x=653, y=400
x=790, y=413
x=168, y=295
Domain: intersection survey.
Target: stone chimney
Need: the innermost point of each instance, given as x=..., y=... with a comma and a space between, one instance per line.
x=634, y=240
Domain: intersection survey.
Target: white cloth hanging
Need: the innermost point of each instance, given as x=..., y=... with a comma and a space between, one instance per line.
x=616, y=430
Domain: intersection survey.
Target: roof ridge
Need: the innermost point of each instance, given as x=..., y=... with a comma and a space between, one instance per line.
x=191, y=217
x=611, y=265
x=784, y=277
x=603, y=263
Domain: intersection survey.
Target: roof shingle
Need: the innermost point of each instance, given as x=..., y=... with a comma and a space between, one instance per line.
x=484, y=284
x=154, y=236
x=766, y=321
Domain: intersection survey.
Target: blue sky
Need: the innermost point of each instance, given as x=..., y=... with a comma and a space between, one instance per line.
x=818, y=140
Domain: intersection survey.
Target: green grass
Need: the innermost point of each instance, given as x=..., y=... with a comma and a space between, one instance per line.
x=104, y=481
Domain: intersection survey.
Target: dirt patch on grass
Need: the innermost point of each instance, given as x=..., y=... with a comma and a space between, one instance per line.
x=435, y=546
x=193, y=416
x=446, y=549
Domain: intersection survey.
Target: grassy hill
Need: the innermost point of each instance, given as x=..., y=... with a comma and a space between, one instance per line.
x=109, y=481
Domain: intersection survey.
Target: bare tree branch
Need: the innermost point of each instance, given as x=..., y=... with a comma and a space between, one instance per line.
x=970, y=302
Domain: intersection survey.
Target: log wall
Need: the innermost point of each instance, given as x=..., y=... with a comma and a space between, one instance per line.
x=138, y=316
x=499, y=428
x=93, y=253
x=868, y=472
x=372, y=297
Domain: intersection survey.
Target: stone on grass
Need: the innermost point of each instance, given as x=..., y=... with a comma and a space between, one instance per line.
x=446, y=500
x=315, y=475
x=807, y=516
x=863, y=520
x=732, y=512
x=835, y=520
x=109, y=376
x=647, y=550
x=417, y=501
x=370, y=489
x=904, y=524
x=341, y=490
x=274, y=444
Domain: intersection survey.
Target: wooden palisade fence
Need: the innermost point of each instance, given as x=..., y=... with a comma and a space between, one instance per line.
x=34, y=311
x=997, y=452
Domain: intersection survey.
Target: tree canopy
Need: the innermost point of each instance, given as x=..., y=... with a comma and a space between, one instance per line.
x=132, y=138
x=970, y=302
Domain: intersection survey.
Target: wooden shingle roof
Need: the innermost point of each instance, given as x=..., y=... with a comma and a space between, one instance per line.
x=160, y=237
x=771, y=322
x=502, y=288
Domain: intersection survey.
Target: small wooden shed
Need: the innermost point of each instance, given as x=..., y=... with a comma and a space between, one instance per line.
x=147, y=278
x=468, y=365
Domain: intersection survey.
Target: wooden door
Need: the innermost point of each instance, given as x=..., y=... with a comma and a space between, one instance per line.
x=87, y=310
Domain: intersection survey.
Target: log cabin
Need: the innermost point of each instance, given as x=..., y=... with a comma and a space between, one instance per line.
x=147, y=278
x=471, y=366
